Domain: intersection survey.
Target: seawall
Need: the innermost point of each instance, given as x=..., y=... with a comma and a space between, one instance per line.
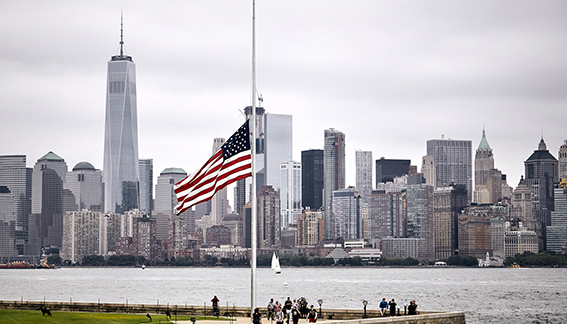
x=346, y=316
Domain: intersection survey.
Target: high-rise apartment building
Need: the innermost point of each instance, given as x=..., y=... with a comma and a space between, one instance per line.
x=278, y=147
x=166, y=200
x=364, y=172
x=269, y=228
x=240, y=196
x=453, y=162
x=84, y=233
x=17, y=178
x=420, y=212
x=334, y=176
x=85, y=182
x=219, y=202
x=388, y=169
x=290, y=192
x=309, y=227
x=120, y=169
x=146, y=167
x=541, y=173
x=347, y=214
x=385, y=214
x=312, y=179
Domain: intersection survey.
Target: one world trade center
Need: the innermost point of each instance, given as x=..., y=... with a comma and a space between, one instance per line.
x=120, y=173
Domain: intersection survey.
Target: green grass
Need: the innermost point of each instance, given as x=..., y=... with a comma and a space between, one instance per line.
x=29, y=316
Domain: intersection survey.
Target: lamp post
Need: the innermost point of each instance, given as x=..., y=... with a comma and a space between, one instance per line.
x=320, y=301
x=364, y=302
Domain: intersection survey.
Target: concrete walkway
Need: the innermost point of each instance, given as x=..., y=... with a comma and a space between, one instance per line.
x=240, y=320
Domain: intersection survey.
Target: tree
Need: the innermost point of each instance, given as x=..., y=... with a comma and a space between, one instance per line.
x=54, y=259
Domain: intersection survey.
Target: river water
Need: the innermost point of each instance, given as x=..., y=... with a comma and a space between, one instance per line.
x=486, y=295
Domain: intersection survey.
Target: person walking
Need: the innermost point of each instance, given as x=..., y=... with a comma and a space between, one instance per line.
x=279, y=315
x=392, y=305
x=312, y=315
x=271, y=308
x=257, y=316
x=288, y=304
x=383, y=306
x=295, y=315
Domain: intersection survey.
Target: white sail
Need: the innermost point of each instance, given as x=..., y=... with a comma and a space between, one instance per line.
x=274, y=261
x=276, y=264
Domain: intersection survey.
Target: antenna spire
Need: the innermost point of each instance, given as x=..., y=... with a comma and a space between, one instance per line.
x=121, y=35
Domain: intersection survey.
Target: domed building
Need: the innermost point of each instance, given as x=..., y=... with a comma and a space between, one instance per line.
x=85, y=182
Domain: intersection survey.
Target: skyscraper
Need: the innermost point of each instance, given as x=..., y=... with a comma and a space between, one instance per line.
x=428, y=170
x=334, y=176
x=219, y=202
x=563, y=161
x=448, y=203
x=85, y=182
x=347, y=214
x=259, y=135
x=557, y=231
x=48, y=199
x=17, y=177
x=166, y=199
x=309, y=227
x=312, y=179
x=364, y=172
x=278, y=146
x=483, y=162
x=388, y=169
x=269, y=228
x=290, y=192
x=541, y=175
x=487, y=179
x=385, y=215
x=420, y=213
x=146, y=185
x=453, y=162
x=120, y=170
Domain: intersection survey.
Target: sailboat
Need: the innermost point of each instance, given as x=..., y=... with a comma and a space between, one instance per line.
x=276, y=264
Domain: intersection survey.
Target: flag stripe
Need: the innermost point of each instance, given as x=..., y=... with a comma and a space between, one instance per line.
x=214, y=181
x=212, y=175
x=232, y=162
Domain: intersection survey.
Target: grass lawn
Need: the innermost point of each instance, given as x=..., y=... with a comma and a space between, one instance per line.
x=30, y=316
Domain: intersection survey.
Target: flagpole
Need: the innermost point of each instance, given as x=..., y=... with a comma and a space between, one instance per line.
x=254, y=220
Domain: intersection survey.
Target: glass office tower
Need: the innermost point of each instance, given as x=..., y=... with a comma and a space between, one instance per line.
x=120, y=173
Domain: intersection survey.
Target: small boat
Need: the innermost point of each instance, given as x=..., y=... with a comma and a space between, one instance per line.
x=276, y=264
x=515, y=266
x=143, y=266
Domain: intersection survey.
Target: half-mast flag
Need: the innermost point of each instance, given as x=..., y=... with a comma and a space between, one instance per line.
x=232, y=162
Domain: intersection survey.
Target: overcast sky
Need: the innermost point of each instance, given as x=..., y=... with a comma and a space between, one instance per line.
x=389, y=74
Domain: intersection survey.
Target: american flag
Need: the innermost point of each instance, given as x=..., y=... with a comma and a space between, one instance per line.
x=232, y=162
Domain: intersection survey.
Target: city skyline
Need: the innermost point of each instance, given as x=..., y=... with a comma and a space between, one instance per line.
x=417, y=73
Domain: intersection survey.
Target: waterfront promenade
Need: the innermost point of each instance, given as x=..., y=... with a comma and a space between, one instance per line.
x=238, y=315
